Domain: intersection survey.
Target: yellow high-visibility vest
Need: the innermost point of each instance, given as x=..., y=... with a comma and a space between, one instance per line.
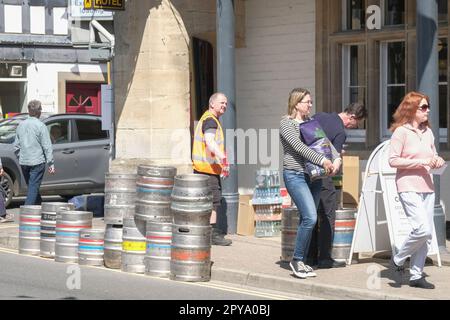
x=204, y=160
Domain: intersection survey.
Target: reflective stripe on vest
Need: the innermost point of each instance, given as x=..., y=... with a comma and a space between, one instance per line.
x=202, y=159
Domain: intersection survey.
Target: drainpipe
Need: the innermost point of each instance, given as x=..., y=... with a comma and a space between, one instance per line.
x=226, y=84
x=428, y=83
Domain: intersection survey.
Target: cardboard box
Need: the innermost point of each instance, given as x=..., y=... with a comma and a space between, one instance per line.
x=246, y=216
x=350, y=181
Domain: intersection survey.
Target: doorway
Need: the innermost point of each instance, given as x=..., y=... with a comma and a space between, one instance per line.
x=13, y=97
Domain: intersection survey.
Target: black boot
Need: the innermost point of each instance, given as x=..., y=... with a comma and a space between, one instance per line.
x=218, y=238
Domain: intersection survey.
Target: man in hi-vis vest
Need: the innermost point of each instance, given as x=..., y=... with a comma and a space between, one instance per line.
x=209, y=157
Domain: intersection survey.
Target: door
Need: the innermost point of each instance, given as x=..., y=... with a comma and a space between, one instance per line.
x=83, y=98
x=92, y=152
x=63, y=155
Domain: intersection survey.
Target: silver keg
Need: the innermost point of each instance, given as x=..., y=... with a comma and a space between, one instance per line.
x=343, y=234
x=157, y=254
x=48, y=226
x=68, y=226
x=192, y=200
x=29, y=230
x=190, y=257
x=133, y=246
x=91, y=247
x=120, y=197
x=154, y=186
x=290, y=220
x=113, y=246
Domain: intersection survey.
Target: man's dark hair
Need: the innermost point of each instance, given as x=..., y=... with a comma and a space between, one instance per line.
x=356, y=109
x=34, y=108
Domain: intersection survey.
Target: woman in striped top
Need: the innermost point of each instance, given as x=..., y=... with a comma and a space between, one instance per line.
x=305, y=193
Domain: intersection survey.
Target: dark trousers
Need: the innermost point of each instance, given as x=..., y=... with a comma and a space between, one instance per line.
x=323, y=233
x=33, y=177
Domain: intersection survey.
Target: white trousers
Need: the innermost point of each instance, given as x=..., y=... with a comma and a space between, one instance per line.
x=419, y=208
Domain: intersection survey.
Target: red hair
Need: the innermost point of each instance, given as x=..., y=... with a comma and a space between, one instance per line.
x=407, y=109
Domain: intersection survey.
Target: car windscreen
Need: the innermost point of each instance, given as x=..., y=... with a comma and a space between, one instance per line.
x=8, y=129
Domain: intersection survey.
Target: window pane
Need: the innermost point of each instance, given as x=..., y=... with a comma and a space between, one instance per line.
x=357, y=65
x=358, y=95
x=90, y=130
x=13, y=18
x=396, y=63
x=356, y=15
x=59, y=131
x=443, y=106
x=443, y=59
x=443, y=10
x=394, y=97
x=395, y=12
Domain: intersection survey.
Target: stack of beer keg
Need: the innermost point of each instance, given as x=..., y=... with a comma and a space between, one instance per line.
x=154, y=186
x=191, y=207
x=53, y=231
x=120, y=197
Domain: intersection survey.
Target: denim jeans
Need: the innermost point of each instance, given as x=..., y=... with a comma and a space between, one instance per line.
x=33, y=177
x=306, y=196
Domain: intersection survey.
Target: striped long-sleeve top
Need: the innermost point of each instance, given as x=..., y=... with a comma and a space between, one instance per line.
x=295, y=151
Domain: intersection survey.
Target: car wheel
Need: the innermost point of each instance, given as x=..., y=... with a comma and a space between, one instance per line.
x=6, y=183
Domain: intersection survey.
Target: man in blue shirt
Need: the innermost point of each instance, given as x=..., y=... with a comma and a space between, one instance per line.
x=33, y=147
x=334, y=125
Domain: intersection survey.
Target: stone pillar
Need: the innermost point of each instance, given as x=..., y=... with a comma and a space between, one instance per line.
x=152, y=87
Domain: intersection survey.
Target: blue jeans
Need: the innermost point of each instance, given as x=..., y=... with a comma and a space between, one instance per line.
x=306, y=196
x=33, y=177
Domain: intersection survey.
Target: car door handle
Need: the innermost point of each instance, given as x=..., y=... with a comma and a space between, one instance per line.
x=106, y=147
x=68, y=151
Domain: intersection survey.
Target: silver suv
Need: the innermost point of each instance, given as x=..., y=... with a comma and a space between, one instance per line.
x=80, y=149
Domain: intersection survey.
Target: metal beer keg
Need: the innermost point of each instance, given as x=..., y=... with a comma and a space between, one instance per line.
x=120, y=197
x=29, y=230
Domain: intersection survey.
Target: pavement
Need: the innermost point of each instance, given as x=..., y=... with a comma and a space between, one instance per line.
x=255, y=262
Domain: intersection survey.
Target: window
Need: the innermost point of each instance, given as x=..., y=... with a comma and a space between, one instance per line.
x=394, y=12
x=37, y=20
x=13, y=19
x=60, y=24
x=90, y=130
x=59, y=131
x=355, y=14
x=393, y=77
x=354, y=83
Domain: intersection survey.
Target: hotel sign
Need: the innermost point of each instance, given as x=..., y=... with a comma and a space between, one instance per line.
x=104, y=4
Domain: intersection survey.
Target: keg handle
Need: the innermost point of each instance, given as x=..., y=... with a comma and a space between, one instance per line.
x=185, y=230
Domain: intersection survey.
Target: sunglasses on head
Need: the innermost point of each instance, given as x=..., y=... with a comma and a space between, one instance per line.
x=424, y=107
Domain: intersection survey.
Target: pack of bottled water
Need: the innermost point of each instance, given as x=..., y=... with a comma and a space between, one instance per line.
x=267, y=189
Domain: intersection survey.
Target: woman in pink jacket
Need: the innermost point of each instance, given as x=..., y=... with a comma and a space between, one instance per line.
x=413, y=153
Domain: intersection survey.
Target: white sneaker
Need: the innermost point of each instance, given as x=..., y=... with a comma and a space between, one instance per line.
x=6, y=218
x=310, y=272
x=298, y=267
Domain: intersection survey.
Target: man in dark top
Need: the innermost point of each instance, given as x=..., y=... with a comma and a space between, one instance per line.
x=334, y=125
